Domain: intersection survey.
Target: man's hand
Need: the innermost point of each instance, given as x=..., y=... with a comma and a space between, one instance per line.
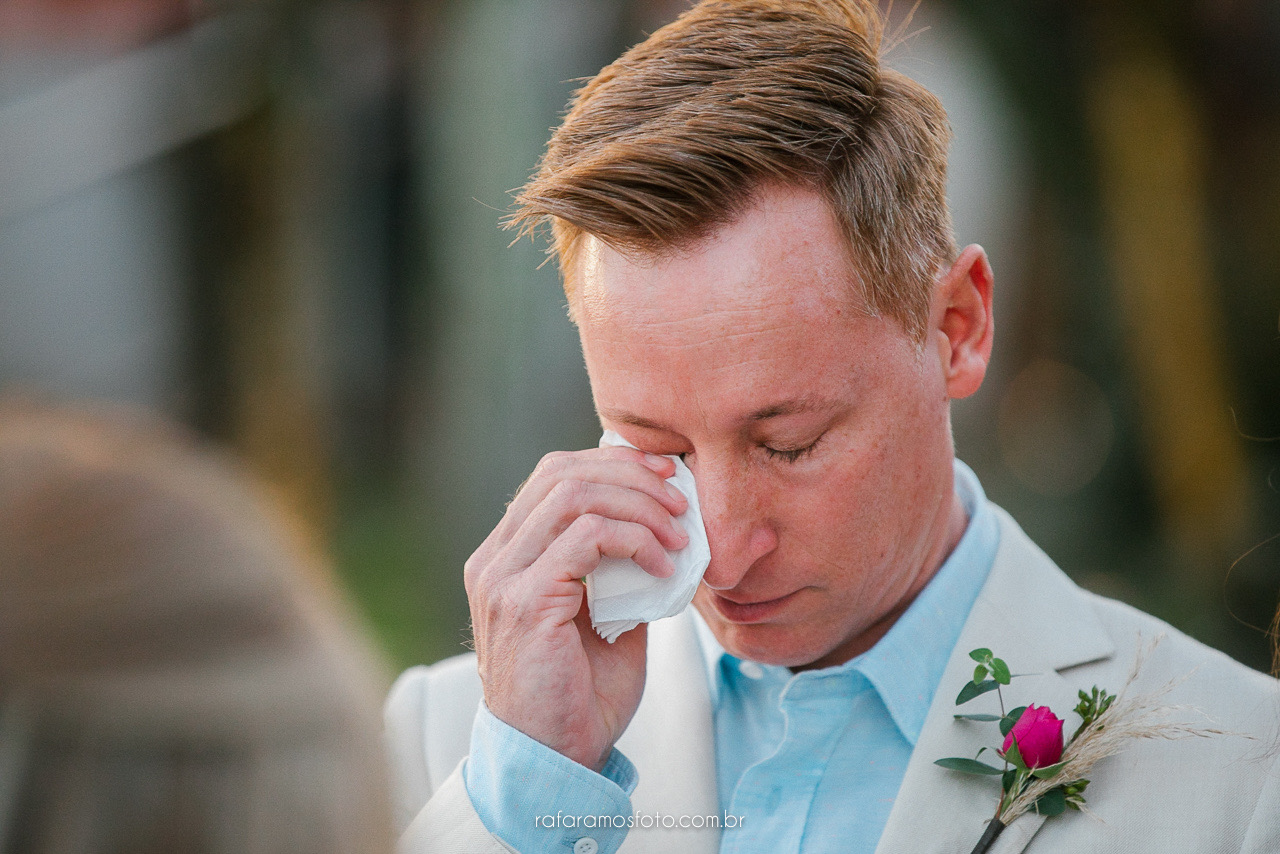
x=545, y=670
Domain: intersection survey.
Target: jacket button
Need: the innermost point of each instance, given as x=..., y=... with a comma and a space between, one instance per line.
x=586, y=845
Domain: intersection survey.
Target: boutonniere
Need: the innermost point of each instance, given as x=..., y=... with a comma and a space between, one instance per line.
x=1041, y=771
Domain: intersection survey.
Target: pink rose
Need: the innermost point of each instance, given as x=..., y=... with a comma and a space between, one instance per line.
x=1039, y=736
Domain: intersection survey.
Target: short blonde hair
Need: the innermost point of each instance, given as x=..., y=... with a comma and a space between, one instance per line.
x=673, y=139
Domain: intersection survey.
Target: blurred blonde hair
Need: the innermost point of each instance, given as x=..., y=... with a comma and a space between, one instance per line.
x=176, y=671
x=673, y=139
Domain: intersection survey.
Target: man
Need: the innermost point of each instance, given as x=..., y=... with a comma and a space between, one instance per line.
x=749, y=215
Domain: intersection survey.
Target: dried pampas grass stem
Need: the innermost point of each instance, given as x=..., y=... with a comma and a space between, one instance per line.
x=1142, y=716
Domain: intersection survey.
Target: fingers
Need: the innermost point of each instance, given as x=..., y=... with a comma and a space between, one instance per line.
x=577, y=552
x=577, y=503
x=621, y=466
x=572, y=498
x=619, y=484
x=549, y=590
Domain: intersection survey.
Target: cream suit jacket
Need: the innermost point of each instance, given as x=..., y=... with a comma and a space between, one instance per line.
x=1218, y=794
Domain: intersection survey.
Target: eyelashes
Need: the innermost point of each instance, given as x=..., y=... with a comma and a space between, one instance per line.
x=791, y=455
x=786, y=455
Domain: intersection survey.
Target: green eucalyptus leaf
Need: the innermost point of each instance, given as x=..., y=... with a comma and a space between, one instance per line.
x=1008, y=779
x=1007, y=722
x=1000, y=671
x=968, y=766
x=983, y=718
x=979, y=673
x=975, y=689
x=980, y=654
x=1047, y=771
x=1052, y=802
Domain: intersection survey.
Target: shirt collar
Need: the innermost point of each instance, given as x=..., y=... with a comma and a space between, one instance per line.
x=906, y=665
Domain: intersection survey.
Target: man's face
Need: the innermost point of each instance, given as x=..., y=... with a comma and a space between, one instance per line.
x=818, y=436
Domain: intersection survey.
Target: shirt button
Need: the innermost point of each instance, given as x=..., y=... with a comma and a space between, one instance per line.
x=586, y=845
x=751, y=670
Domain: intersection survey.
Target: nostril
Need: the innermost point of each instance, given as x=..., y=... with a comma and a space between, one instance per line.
x=726, y=570
x=710, y=583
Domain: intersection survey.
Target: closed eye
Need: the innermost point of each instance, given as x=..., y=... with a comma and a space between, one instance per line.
x=790, y=455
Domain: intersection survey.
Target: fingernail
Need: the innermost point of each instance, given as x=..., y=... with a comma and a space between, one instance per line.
x=674, y=493
x=655, y=460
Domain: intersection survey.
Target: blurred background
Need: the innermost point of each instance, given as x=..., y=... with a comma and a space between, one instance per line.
x=278, y=221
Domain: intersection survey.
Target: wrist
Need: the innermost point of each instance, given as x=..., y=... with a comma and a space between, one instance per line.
x=517, y=784
x=554, y=735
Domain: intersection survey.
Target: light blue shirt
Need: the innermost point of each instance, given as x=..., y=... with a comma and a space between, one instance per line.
x=811, y=760
x=814, y=760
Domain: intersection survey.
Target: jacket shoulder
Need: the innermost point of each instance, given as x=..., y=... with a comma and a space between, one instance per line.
x=1207, y=678
x=1214, y=793
x=1084, y=635
x=427, y=725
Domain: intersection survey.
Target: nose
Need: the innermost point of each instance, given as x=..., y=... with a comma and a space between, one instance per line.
x=734, y=510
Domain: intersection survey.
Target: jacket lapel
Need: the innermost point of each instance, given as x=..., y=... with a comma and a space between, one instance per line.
x=1035, y=618
x=672, y=743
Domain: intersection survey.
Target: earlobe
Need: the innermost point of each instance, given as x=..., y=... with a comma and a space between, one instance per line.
x=966, y=322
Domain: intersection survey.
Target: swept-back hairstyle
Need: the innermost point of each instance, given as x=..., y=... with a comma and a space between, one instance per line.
x=673, y=139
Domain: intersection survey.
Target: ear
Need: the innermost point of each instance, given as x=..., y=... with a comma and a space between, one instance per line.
x=963, y=325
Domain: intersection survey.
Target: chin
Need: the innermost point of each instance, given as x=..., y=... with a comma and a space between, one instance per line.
x=785, y=645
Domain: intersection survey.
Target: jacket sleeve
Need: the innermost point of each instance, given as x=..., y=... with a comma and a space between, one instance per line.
x=449, y=824
x=1263, y=836
x=509, y=794
x=430, y=819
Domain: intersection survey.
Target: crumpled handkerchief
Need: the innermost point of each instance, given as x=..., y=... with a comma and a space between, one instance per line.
x=621, y=595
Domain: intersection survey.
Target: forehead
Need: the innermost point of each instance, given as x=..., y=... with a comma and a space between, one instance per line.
x=785, y=253
x=761, y=313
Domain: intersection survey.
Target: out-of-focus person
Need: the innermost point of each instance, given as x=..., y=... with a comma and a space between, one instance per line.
x=177, y=673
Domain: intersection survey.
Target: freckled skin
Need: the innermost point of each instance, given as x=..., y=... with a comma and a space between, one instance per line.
x=681, y=350
x=819, y=438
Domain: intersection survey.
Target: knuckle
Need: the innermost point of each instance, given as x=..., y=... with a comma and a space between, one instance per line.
x=552, y=463
x=588, y=526
x=471, y=573
x=506, y=608
x=569, y=492
x=493, y=609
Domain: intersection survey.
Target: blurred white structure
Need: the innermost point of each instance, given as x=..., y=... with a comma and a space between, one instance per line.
x=92, y=247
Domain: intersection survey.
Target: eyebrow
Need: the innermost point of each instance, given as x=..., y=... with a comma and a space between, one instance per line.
x=796, y=406
x=624, y=417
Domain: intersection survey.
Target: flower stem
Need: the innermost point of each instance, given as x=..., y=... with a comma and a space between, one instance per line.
x=989, y=836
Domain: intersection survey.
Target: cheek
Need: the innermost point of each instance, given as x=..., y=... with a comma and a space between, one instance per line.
x=866, y=502
x=910, y=437
x=869, y=470
x=840, y=520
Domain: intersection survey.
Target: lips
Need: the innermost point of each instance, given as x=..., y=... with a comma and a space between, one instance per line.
x=750, y=612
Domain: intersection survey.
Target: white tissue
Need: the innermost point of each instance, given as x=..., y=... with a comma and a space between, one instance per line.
x=621, y=595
